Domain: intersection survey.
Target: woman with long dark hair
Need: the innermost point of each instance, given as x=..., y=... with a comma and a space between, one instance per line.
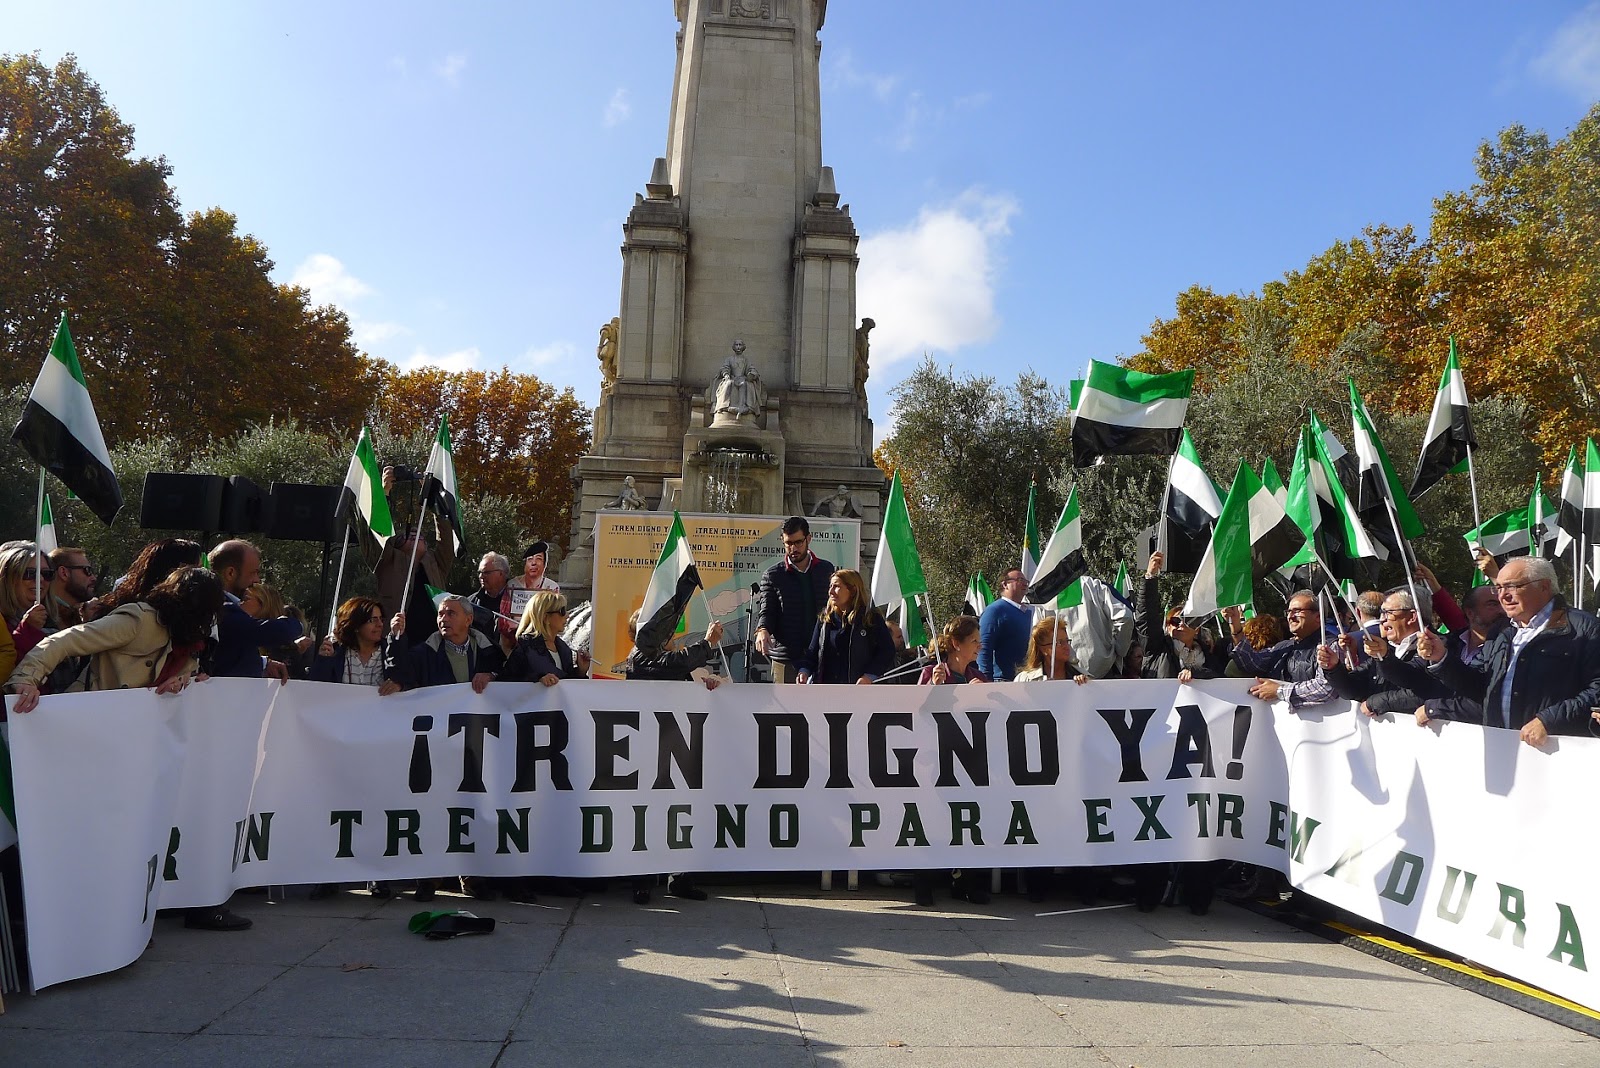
x=153, y=564
x=354, y=652
x=851, y=642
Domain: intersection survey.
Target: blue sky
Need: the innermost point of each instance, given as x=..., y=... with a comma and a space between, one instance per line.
x=1034, y=182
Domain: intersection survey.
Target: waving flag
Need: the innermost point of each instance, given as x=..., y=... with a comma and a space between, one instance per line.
x=1030, y=536
x=1378, y=487
x=672, y=583
x=1254, y=537
x=439, y=483
x=979, y=596
x=48, y=541
x=1123, y=412
x=897, y=573
x=1449, y=436
x=1062, y=562
x=363, y=493
x=60, y=431
x=1569, y=511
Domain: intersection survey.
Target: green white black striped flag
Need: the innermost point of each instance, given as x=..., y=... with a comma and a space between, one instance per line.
x=1030, y=536
x=1253, y=538
x=1449, y=436
x=1123, y=412
x=979, y=596
x=60, y=431
x=48, y=541
x=363, y=493
x=1062, y=563
x=672, y=583
x=897, y=573
x=439, y=483
x=1377, y=486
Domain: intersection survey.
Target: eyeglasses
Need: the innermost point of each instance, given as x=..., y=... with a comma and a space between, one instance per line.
x=1511, y=587
x=44, y=573
x=87, y=569
x=556, y=612
x=1393, y=612
x=493, y=571
x=796, y=543
x=1302, y=612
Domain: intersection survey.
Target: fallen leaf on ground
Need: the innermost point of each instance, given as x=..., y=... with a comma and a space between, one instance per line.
x=357, y=966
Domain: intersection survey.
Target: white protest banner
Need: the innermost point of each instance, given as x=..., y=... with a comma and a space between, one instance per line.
x=1457, y=835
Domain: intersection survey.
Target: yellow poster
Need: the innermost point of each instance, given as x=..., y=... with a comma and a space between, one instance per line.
x=730, y=551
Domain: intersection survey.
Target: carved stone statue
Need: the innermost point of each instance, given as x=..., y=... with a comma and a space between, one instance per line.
x=629, y=497
x=736, y=397
x=607, y=352
x=839, y=506
x=862, y=345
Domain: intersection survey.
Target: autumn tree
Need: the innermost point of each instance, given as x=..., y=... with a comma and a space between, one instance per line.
x=179, y=326
x=513, y=434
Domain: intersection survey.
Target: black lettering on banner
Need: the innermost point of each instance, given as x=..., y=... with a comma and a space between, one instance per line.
x=510, y=832
x=971, y=751
x=1230, y=814
x=169, y=867
x=420, y=775
x=475, y=725
x=1300, y=832
x=345, y=819
x=1044, y=725
x=679, y=835
x=768, y=724
x=1128, y=726
x=639, y=843
x=964, y=817
x=255, y=840
x=1513, y=910
x=460, y=827
x=783, y=826
x=688, y=754
x=1096, y=813
x=731, y=826
x=149, y=885
x=1405, y=875
x=1277, y=824
x=531, y=752
x=1201, y=803
x=911, y=832
x=609, y=749
x=838, y=750
x=1148, y=806
x=863, y=818
x=1193, y=745
x=1569, y=941
x=878, y=726
x=402, y=824
x=595, y=822
x=1020, y=830
x=1241, y=733
x=1454, y=913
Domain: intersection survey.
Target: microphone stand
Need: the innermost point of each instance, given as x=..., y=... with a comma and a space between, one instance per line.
x=750, y=628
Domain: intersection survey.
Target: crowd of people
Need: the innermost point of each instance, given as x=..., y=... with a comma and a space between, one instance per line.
x=1508, y=654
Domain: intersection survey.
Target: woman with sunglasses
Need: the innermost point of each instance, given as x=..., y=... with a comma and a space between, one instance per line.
x=24, y=572
x=540, y=654
x=1172, y=648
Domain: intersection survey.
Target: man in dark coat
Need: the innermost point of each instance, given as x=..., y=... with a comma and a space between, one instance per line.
x=793, y=592
x=241, y=636
x=1392, y=678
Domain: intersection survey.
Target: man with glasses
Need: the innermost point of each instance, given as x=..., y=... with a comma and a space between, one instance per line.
x=1003, y=629
x=70, y=588
x=1392, y=679
x=793, y=592
x=1540, y=676
x=1287, y=671
x=491, y=605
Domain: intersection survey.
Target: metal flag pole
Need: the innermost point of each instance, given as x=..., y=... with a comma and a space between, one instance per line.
x=1407, y=560
x=338, y=580
x=38, y=537
x=726, y=670
x=1472, y=480
x=416, y=547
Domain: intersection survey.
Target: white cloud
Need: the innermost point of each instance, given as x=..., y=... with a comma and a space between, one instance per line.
x=911, y=117
x=843, y=73
x=618, y=108
x=328, y=281
x=1572, y=58
x=554, y=354
x=468, y=359
x=930, y=285
x=450, y=67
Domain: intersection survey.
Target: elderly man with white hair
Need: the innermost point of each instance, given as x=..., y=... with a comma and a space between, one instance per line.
x=1392, y=678
x=1540, y=676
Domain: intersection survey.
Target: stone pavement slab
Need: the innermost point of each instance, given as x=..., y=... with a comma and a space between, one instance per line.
x=772, y=975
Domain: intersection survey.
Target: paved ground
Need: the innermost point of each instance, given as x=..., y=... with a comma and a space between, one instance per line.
x=767, y=976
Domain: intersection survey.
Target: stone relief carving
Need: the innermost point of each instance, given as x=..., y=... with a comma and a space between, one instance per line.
x=607, y=353
x=736, y=396
x=629, y=498
x=862, y=346
x=841, y=505
x=750, y=9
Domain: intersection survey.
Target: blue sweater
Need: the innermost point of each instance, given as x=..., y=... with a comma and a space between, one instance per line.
x=1003, y=630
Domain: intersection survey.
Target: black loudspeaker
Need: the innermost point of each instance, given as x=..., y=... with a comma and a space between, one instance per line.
x=182, y=502
x=301, y=511
x=244, y=506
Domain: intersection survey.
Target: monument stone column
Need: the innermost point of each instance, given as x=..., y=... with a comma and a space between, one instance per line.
x=739, y=237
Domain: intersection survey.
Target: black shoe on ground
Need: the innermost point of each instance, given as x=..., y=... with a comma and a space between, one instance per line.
x=425, y=891
x=479, y=889
x=683, y=886
x=641, y=895
x=381, y=891
x=216, y=918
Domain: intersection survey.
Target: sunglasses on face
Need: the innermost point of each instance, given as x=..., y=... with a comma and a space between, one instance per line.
x=44, y=573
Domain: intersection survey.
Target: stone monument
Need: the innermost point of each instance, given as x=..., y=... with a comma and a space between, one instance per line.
x=734, y=374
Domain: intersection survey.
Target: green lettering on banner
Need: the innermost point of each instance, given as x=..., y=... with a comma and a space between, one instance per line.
x=1447, y=912
x=1096, y=815
x=595, y=823
x=863, y=818
x=1569, y=941
x=403, y=823
x=510, y=832
x=1278, y=817
x=1230, y=813
x=149, y=884
x=460, y=827
x=1300, y=832
x=345, y=819
x=783, y=826
x=1148, y=806
x=1348, y=867
x=257, y=839
x=1201, y=803
x=679, y=835
x=964, y=818
x=1405, y=875
x=911, y=832
x=730, y=826
x=1021, y=827
x=169, y=868
x=1513, y=910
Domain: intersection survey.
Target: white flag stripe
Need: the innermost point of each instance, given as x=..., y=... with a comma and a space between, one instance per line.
x=1166, y=413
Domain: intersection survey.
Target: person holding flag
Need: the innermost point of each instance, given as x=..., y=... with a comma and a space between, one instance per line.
x=1171, y=646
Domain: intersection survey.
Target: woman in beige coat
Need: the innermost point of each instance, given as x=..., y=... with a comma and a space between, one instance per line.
x=155, y=641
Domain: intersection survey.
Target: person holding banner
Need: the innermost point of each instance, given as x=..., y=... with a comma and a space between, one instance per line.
x=354, y=652
x=540, y=654
x=850, y=643
x=1171, y=647
x=1287, y=671
x=453, y=653
x=1391, y=678
x=1050, y=654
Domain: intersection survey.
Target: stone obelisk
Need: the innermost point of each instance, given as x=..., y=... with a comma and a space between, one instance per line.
x=734, y=373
